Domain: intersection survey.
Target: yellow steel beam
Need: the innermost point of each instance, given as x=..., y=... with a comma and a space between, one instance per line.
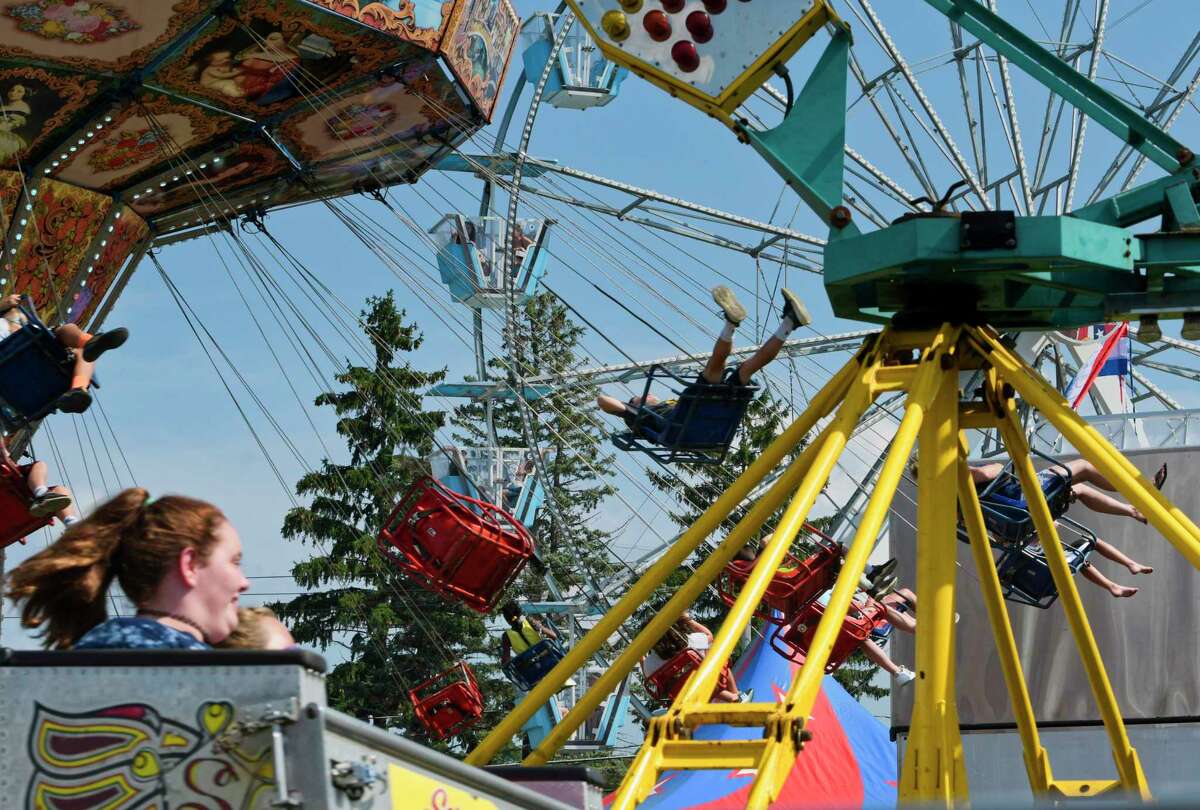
x=1037, y=763
x=785, y=731
x=933, y=770
x=820, y=405
x=1169, y=519
x=1129, y=769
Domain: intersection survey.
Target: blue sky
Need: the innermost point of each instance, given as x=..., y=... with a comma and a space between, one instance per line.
x=180, y=431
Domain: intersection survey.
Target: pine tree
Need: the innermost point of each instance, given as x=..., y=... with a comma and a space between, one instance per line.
x=572, y=441
x=393, y=634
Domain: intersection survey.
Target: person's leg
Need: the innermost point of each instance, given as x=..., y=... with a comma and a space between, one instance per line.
x=1093, y=575
x=1084, y=472
x=68, y=514
x=93, y=346
x=46, y=500
x=879, y=658
x=78, y=399
x=610, y=405
x=1097, y=501
x=37, y=478
x=898, y=619
x=735, y=313
x=1111, y=552
x=795, y=315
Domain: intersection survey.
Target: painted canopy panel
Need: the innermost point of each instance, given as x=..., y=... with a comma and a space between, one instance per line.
x=111, y=36
x=214, y=175
x=419, y=21
x=479, y=45
x=129, y=231
x=37, y=103
x=62, y=226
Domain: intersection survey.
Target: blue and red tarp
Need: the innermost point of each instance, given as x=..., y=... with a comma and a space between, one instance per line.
x=850, y=762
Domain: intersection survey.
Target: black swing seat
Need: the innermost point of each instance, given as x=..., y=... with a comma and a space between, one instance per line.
x=698, y=429
x=35, y=371
x=1025, y=574
x=1006, y=513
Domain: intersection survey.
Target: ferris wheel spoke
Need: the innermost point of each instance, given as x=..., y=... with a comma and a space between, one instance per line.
x=1080, y=129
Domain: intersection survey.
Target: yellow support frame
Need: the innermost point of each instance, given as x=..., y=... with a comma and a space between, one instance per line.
x=934, y=422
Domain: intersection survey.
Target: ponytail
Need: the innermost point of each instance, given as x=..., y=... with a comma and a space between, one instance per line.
x=130, y=539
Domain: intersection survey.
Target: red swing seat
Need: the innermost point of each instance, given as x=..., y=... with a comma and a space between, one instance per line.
x=448, y=703
x=793, y=639
x=665, y=682
x=15, y=521
x=796, y=583
x=455, y=545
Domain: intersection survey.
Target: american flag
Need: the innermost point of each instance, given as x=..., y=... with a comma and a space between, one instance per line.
x=1093, y=332
x=1111, y=359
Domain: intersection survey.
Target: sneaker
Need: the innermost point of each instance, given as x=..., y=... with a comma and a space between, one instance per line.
x=744, y=697
x=99, y=344
x=904, y=677
x=48, y=504
x=735, y=313
x=794, y=309
x=884, y=569
x=77, y=400
x=1160, y=477
x=883, y=585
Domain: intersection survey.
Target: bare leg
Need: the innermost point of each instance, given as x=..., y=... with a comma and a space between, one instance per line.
x=610, y=405
x=901, y=621
x=72, y=336
x=1097, y=501
x=714, y=369
x=878, y=657
x=765, y=354
x=82, y=376
x=70, y=513
x=1093, y=575
x=1111, y=552
x=39, y=476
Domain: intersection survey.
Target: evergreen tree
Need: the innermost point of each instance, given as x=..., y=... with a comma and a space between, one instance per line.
x=392, y=633
x=567, y=432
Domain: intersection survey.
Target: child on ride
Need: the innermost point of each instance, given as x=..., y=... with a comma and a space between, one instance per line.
x=258, y=628
x=795, y=315
x=687, y=633
x=177, y=559
x=47, y=500
x=86, y=347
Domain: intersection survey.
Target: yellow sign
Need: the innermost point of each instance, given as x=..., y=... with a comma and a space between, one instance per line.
x=414, y=791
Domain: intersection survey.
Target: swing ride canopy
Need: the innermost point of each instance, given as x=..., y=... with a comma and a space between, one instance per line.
x=127, y=120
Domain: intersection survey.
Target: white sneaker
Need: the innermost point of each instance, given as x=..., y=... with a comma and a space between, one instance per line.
x=744, y=697
x=904, y=677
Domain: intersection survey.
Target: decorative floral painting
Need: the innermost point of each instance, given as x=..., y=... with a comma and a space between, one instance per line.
x=150, y=133
x=79, y=21
x=64, y=221
x=479, y=44
x=128, y=232
x=108, y=35
x=275, y=55
x=419, y=21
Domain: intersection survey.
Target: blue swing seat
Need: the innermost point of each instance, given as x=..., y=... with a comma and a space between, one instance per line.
x=698, y=429
x=35, y=371
x=1006, y=513
x=1025, y=574
x=526, y=669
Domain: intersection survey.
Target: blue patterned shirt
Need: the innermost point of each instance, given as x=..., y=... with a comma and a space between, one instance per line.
x=137, y=633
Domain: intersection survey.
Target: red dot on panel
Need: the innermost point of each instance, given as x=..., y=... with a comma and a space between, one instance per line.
x=685, y=55
x=657, y=26
x=700, y=26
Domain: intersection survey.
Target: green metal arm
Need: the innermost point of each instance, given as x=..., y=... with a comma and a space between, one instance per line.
x=1088, y=97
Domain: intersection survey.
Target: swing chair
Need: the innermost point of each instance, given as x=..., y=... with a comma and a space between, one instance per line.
x=35, y=371
x=526, y=669
x=449, y=702
x=796, y=582
x=793, y=639
x=470, y=258
x=1005, y=512
x=455, y=545
x=15, y=521
x=1025, y=574
x=698, y=429
x=665, y=682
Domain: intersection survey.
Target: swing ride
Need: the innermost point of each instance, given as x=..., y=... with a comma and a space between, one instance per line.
x=198, y=120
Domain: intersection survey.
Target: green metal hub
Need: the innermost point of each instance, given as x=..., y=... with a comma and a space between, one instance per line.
x=1044, y=272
